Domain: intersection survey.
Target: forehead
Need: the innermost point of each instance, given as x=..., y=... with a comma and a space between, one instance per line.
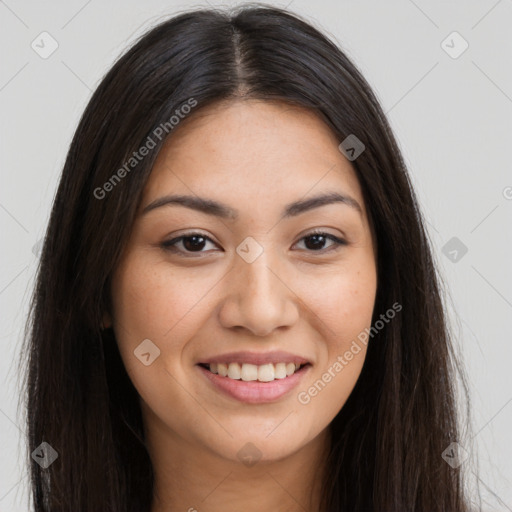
x=252, y=153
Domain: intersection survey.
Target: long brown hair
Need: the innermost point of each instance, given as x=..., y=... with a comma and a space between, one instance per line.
x=388, y=439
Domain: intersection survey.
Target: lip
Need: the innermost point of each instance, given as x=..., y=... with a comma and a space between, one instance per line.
x=257, y=358
x=255, y=392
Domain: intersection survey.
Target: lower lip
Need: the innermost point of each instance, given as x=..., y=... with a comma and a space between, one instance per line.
x=255, y=392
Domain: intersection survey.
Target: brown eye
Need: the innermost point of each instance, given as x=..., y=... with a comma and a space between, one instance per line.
x=190, y=242
x=195, y=243
x=316, y=242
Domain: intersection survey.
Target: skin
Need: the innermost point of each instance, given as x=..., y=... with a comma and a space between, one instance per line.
x=309, y=299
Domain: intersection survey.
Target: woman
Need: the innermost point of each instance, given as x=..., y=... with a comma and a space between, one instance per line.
x=236, y=305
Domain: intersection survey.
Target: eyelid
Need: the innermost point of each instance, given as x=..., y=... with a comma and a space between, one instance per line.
x=338, y=242
x=169, y=245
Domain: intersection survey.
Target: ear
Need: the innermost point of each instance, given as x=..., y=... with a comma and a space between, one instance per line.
x=106, y=321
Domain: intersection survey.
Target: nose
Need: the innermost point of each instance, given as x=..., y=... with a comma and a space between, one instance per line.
x=259, y=298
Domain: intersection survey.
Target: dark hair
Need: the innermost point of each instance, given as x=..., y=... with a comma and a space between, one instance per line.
x=388, y=439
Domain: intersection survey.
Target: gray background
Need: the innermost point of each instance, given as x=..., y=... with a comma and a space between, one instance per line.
x=452, y=117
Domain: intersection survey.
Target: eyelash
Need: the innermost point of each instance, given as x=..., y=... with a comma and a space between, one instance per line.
x=170, y=245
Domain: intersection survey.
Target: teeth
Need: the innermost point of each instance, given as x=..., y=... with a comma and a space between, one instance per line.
x=250, y=372
x=280, y=371
x=234, y=371
x=266, y=372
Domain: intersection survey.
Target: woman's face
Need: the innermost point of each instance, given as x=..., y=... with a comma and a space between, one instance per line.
x=255, y=279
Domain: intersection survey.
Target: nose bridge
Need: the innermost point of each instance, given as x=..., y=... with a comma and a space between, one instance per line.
x=259, y=279
x=258, y=298
x=254, y=261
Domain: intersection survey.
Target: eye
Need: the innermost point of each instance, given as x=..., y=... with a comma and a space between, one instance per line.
x=191, y=242
x=318, y=238
x=195, y=242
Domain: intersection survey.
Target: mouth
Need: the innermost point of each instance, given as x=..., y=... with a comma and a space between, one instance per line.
x=248, y=372
x=254, y=384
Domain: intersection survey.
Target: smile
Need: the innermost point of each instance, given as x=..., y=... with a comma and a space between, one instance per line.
x=254, y=384
x=251, y=372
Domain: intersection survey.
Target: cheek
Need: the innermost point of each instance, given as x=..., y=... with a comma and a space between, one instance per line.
x=154, y=300
x=151, y=302
x=343, y=300
x=344, y=306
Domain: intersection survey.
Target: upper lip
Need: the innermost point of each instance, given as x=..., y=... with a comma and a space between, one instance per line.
x=257, y=358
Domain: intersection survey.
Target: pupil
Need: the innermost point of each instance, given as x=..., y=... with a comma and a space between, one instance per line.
x=317, y=238
x=194, y=245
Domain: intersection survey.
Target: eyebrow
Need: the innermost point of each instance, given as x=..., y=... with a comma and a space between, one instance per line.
x=211, y=207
